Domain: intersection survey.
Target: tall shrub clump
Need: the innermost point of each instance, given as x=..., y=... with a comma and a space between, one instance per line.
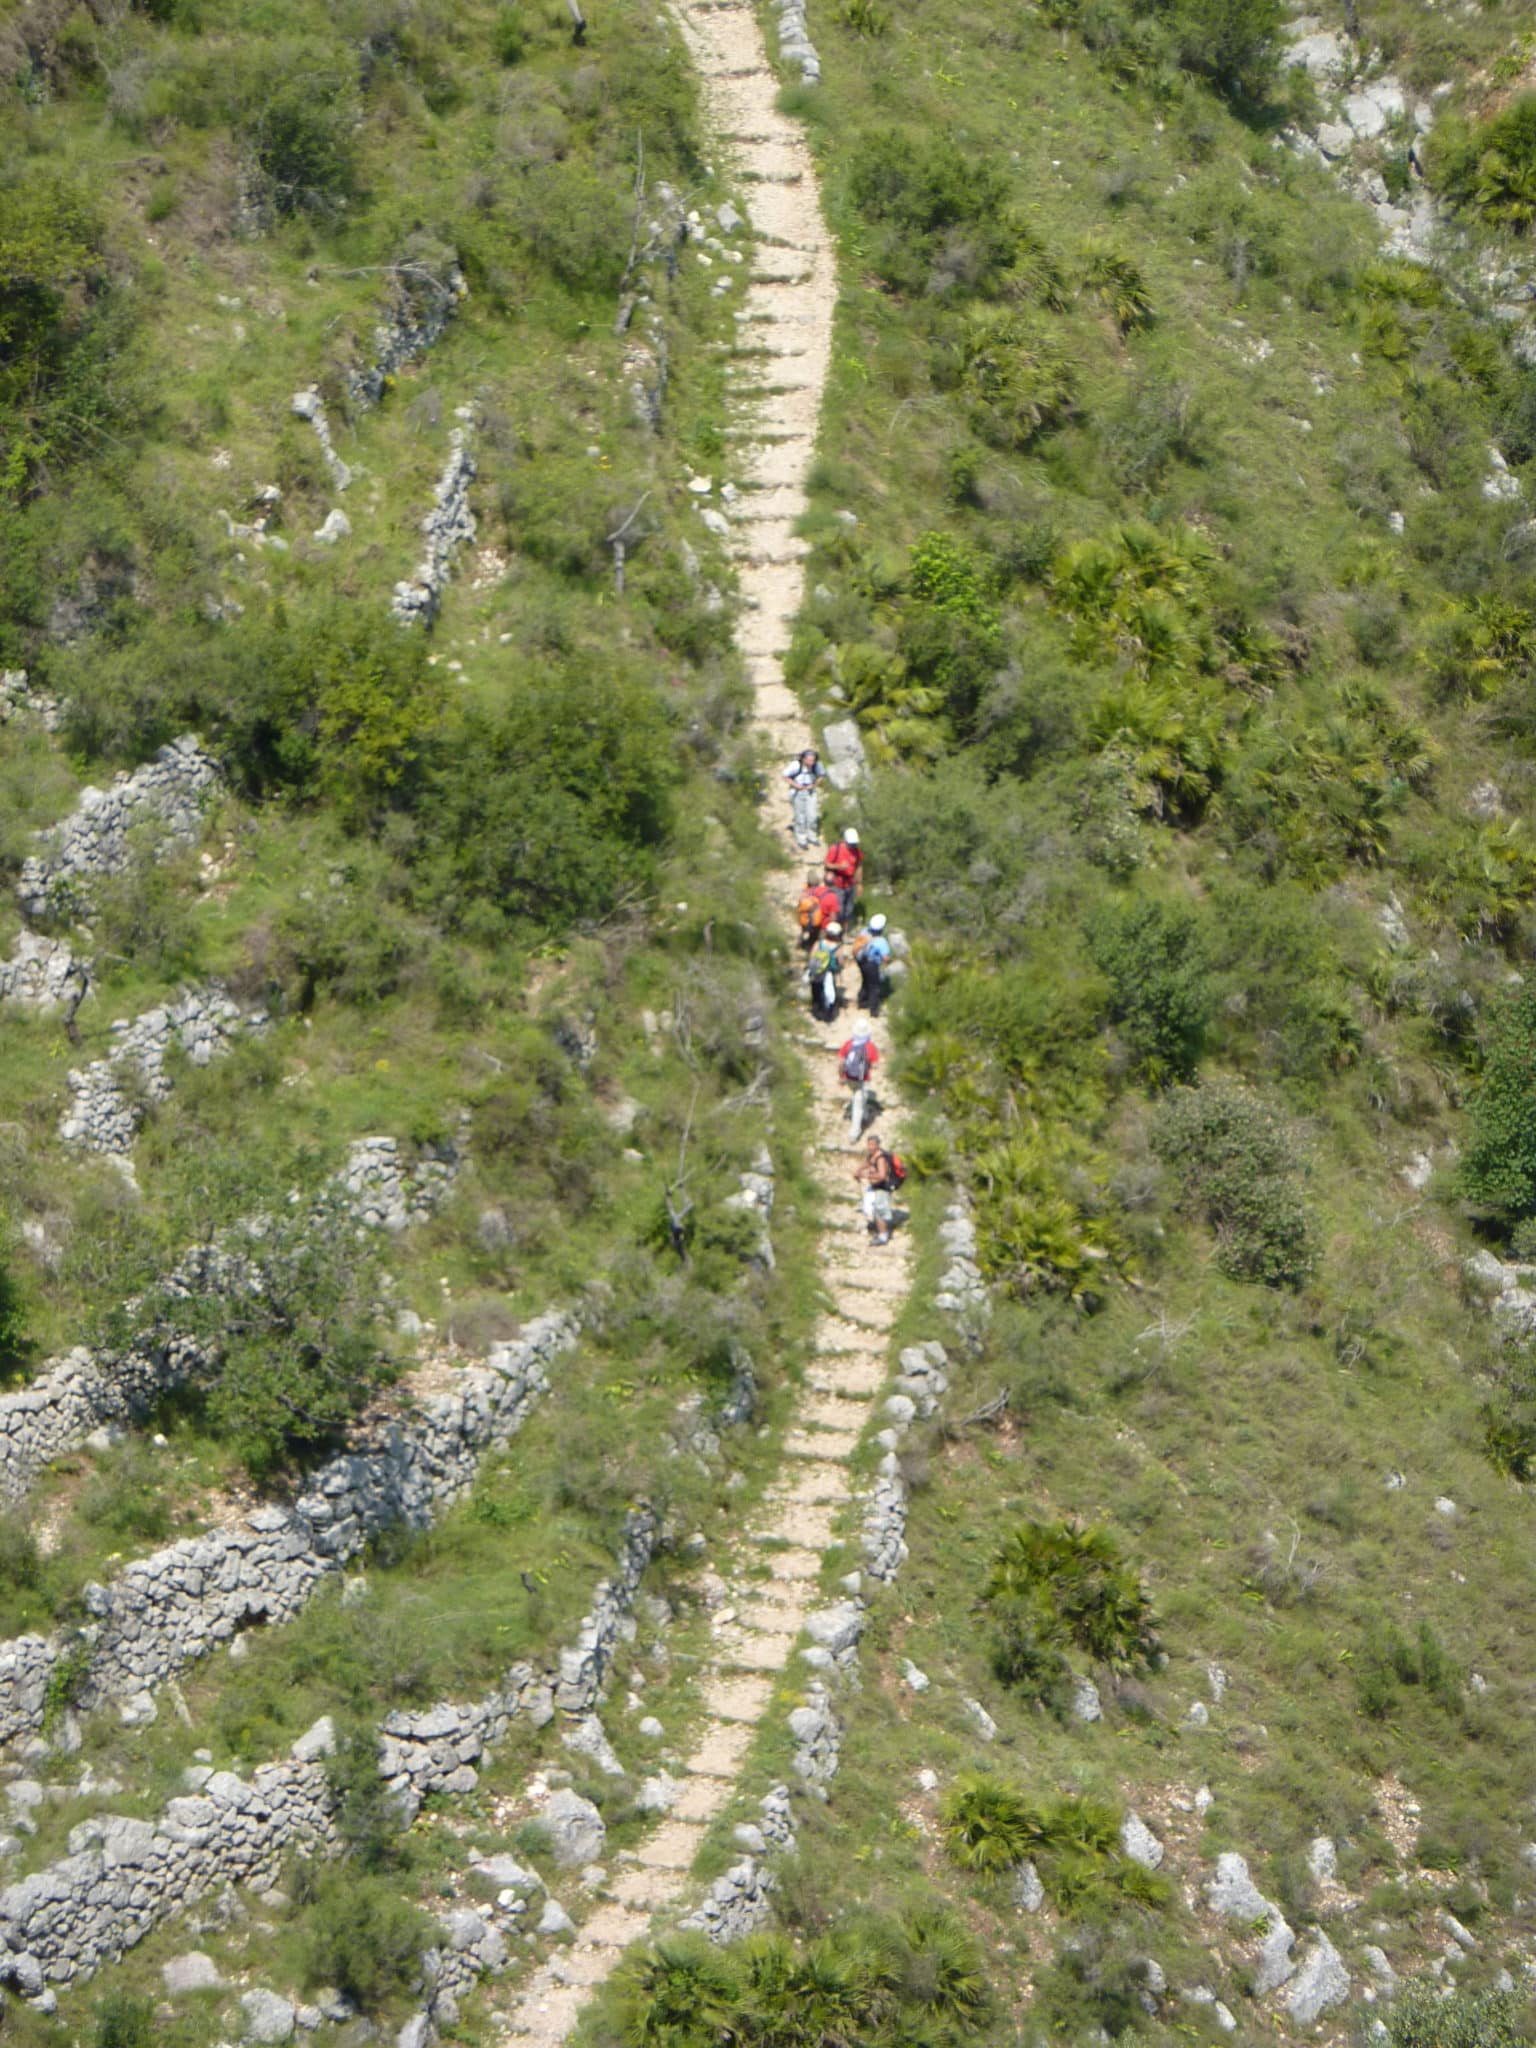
x=1498, y=1168
x=1239, y=1166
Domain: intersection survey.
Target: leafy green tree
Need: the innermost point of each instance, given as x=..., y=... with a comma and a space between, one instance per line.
x=360, y=1935
x=1162, y=992
x=550, y=811
x=1238, y=1165
x=1498, y=1167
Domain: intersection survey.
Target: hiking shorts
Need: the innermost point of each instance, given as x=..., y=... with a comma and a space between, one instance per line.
x=877, y=1205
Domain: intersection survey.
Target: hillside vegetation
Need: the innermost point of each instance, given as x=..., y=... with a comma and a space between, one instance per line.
x=1170, y=546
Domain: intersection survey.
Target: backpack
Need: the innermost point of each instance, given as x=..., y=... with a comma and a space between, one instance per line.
x=898, y=1168
x=823, y=961
x=856, y=1063
x=809, y=911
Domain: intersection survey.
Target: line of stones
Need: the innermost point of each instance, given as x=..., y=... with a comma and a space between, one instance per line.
x=127, y=1876
x=164, y=1611
x=84, y=1392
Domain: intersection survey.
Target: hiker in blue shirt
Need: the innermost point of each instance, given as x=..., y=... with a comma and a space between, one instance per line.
x=872, y=951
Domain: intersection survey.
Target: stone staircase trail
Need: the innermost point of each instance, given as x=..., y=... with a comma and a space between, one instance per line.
x=781, y=361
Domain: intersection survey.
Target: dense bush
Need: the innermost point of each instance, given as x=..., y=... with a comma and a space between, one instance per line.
x=941, y=218
x=990, y=1827
x=300, y=126
x=550, y=811
x=1490, y=166
x=1238, y=1165
x=1426, y=2015
x=1059, y=1584
x=290, y=1323
x=1161, y=990
x=883, y=1982
x=13, y=1322
x=361, y=1936
x=1498, y=1167
x=1017, y=377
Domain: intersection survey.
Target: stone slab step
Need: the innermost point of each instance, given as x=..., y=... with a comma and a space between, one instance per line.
x=673, y=1846
x=735, y=1697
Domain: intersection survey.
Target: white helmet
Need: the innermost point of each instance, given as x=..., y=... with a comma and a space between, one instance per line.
x=834, y=931
x=850, y=837
x=877, y=923
x=861, y=1035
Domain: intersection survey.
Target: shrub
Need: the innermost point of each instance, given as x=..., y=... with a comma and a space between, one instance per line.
x=1234, y=43
x=988, y=1826
x=942, y=217
x=367, y=1817
x=1161, y=990
x=361, y=1936
x=1427, y=2015
x=1237, y=1161
x=1017, y=378
x=291, y=1327
x=123, y=2021
x=576, y=223
x=1117, y=283
x=1393, y=1660
x=1491, y=167
x=550, y=811
x=1497, y=1173
x=1074, y=1586
x=300, y=127
x=13, y=1322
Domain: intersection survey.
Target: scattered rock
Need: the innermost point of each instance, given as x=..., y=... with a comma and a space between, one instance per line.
x=573, y=1827
x=1086, y=1704
x=191, y=1972
x=554, y=1919
x=265, y=2018
x=1322, y=1860
x=316, y=1742
x=1139, y=1842
x=1321, y=1983
x=1028, y=1891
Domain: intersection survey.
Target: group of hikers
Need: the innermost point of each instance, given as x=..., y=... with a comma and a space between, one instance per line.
x=825, y=915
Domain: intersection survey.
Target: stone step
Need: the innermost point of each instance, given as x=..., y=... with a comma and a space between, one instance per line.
x=758, y=1653
x=648, y=1890
x=673, y=1846
x=736, y=1698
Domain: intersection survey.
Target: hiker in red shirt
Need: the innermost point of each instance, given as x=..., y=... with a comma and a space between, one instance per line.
x=818, y=907
x=844, y=865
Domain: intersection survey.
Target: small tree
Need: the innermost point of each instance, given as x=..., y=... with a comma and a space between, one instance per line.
x=363, y=1937
x=1161, y=992
x=1498, y=1168
x=1426, y=2016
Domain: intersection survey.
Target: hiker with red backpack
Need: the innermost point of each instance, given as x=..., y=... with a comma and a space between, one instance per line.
x=881, y=1174
x=844, y=864
x=818, y=907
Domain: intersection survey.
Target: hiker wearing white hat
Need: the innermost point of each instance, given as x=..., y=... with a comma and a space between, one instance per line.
x=872, y=952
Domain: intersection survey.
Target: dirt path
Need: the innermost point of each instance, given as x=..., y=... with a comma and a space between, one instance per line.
x=782, y=353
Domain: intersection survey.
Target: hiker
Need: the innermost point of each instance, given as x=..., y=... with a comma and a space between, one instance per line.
x=857, y=1059
x=818, y=907
x=881, y=1173
x=803, y=775
x=871, y=953
x=844, y=863
x=822, y=970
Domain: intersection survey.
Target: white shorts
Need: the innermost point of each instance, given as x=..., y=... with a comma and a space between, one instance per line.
x=877, y=1204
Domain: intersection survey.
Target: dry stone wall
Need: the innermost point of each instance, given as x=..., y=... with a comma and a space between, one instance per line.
x=123, y=1878
x=165, y=799
x=164, y=1611
x=104, y=1116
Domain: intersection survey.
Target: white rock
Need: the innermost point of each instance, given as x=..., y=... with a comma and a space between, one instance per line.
x=1086, y=1704
x=913, y=1679
x=1321, y=1983
x=984, y=1724
x=265, y=2018
x=1139, y=1842
x=1028, y=1891
x=191, y=1972
x=554, y=1919
x=1322, y=1859
x=335, y=526
x=316, y=1742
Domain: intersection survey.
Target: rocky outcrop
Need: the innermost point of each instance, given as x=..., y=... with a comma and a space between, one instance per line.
x=164, y=801
x=18, y=700
x=164, y=1611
